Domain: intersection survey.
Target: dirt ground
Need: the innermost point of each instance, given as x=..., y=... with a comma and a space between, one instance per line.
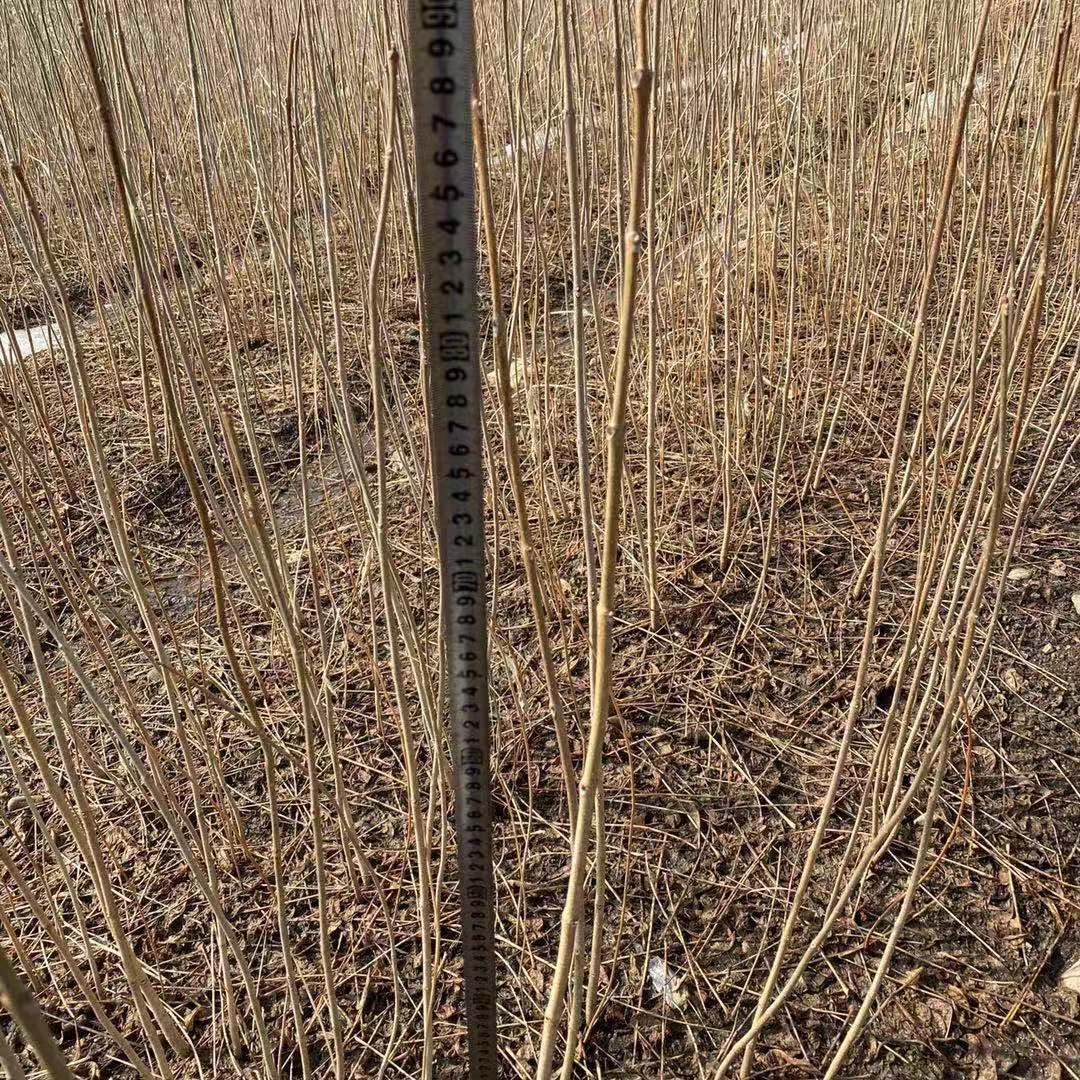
x=718, y=754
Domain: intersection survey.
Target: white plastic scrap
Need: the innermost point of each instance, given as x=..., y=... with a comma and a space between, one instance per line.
x=928, y=108
x=785, y=49
x=934, y=106
x=538, y=141
x=27, y=343
x=516, y=373
x=667, y=984
x=818, y=40
x=1070, y=977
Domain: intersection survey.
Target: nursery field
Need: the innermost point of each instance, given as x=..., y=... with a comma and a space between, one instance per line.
x=796, y=523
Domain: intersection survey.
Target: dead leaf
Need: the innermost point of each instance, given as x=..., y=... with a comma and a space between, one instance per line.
x=939, y=1013
x=1019, y=573
x=985, y=1066
x=1076, y=602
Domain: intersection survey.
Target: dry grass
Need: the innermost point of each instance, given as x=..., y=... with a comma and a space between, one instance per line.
x=837, y=789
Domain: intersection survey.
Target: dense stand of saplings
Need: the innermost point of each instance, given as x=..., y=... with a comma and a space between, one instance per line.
x=743, y=268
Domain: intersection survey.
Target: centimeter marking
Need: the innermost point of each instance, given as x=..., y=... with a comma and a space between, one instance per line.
x=441, y=33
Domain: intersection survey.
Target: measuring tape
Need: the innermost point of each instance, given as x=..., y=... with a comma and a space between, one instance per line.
x=441, y=38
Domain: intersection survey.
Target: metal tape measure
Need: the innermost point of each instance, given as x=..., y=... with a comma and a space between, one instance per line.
x=441, y=47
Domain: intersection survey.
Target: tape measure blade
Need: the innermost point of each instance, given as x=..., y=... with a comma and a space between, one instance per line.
x=442, y=68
